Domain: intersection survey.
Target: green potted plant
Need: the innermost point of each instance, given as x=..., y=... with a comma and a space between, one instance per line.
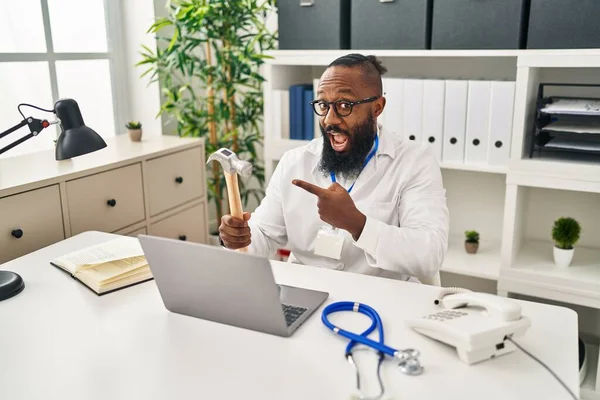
x=565, y=233
x=207, y=62
x=471, y=241
x=134, y=128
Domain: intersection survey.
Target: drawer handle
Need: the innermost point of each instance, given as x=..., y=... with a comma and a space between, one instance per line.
x=18, y=233
x=112, y=202
x=179, y=179
x=182, y=237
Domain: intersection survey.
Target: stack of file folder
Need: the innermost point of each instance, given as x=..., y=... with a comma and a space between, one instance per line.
x=566, y=124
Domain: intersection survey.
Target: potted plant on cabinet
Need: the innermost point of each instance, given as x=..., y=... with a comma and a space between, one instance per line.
x=207, y=62
x=134, y=128
x=471, y=241
x=565, y=233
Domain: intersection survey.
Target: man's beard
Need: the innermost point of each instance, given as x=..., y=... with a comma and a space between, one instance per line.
x=348, y=164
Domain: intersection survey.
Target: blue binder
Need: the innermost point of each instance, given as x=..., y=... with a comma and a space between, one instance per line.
x=297, y=110
x=309, y=115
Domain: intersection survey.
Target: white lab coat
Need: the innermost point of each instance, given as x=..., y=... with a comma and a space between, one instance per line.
x=400, y=191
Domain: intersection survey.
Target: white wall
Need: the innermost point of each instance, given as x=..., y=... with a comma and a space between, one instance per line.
x=143, y=97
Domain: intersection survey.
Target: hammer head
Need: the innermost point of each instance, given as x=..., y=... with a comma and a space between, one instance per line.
x=231, y=163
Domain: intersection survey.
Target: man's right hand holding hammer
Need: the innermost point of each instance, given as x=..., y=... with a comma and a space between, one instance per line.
x=234, y=232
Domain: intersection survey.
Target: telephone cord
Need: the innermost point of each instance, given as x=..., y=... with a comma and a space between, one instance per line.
x=543, y=365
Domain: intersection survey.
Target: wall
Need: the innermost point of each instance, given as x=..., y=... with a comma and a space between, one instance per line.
x=143, y=96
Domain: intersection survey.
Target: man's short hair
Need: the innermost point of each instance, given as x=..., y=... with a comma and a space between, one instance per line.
x=370, y=65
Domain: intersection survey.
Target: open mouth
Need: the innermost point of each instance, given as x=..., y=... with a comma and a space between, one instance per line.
x=339, y=141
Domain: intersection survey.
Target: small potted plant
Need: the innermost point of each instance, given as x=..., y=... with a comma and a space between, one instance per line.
x=565, y=234
x=471, y=241
x=135, y=130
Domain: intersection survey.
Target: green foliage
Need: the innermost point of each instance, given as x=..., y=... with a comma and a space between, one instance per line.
x=472, y=236
x=133, y=125
x=207, y=62
x=566, y=232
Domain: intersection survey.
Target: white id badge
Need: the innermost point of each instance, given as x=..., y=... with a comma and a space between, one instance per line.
x=329, y=243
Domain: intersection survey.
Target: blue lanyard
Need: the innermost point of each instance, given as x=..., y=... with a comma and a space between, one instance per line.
x=371, y=154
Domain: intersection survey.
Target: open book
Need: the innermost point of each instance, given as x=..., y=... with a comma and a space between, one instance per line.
x=108, y=266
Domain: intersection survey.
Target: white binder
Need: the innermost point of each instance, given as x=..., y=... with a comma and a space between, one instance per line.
x=316, y=117
x=478, y=121
x=501, y=122
x=413, y=110
x=433, y=115
x=455, y=121
x=281, y=114
x=391, y=118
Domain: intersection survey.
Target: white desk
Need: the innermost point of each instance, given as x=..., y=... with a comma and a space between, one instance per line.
x=58, y=340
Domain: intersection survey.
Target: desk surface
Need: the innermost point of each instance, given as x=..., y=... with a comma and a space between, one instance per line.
x=58, y=340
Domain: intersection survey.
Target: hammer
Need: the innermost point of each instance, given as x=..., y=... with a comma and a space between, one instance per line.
x=232, y=166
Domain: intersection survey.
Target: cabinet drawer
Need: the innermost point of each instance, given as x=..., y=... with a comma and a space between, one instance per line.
x=30, y=221
x=188, y=225
x=175, y=179
x=141, y=231
x=107, y=201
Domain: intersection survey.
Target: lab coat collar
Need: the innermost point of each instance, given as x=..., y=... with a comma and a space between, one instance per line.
x=386, y=146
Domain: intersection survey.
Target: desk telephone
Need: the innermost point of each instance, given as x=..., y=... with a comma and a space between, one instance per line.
x=476, y=324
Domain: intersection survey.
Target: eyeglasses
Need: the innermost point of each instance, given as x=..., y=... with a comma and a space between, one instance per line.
x=343, y=108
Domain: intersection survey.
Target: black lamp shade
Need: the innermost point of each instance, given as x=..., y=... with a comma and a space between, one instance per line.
x=75, y=139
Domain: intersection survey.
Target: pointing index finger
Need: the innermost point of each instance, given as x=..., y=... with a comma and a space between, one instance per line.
x=309, y=187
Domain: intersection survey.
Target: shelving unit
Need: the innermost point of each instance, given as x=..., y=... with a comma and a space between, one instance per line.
x=513, y=206
x=589, y=385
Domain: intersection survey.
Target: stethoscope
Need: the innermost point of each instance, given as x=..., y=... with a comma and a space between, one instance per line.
x=409, y=358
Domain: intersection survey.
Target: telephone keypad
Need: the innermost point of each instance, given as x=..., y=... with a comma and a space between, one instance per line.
x=446, y=315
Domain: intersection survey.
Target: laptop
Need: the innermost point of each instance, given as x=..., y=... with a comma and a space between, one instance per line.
x=225, y=286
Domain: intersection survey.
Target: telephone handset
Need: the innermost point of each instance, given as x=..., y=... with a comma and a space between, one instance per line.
x=476, y=324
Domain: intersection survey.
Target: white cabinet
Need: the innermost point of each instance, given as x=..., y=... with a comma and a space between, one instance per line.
x=156, y=185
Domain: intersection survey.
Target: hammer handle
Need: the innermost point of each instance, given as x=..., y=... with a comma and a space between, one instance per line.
x=235, y=201
x=233, y=192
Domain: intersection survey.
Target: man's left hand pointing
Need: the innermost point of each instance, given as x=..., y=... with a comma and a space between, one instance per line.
x=336, y=207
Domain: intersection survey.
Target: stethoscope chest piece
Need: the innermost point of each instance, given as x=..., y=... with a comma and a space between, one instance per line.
x=410, y=366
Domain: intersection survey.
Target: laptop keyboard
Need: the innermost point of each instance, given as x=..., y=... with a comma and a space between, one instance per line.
x=292, y=313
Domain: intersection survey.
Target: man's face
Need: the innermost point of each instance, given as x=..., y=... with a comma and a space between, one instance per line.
x=347, y=139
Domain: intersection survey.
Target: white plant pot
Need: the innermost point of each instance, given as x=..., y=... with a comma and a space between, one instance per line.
x=563, y=257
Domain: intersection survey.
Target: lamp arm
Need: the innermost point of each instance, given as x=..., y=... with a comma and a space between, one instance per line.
x=35, y=127
x=14, y=128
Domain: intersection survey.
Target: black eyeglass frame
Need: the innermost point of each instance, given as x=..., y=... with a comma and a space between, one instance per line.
x=335, y=103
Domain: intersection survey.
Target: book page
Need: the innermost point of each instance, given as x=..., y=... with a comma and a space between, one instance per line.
x=116, y=249
x=104, y=272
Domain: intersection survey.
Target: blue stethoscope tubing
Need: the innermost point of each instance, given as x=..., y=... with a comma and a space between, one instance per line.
x=376, y=323
x=409, y=358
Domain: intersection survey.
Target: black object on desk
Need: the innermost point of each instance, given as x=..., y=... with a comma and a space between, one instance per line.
x=11, y=284
x=75, y=139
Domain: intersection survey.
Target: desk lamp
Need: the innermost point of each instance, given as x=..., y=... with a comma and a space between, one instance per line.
x=74, y=140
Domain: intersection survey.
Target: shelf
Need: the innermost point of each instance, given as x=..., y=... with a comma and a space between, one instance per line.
x=555, y=173
x=534, y=273
x=324, y=57
x=485, y=264
x=493, y=169
x=572, y=58
x=588, y=387
x=278, y=147
x=524, y=57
